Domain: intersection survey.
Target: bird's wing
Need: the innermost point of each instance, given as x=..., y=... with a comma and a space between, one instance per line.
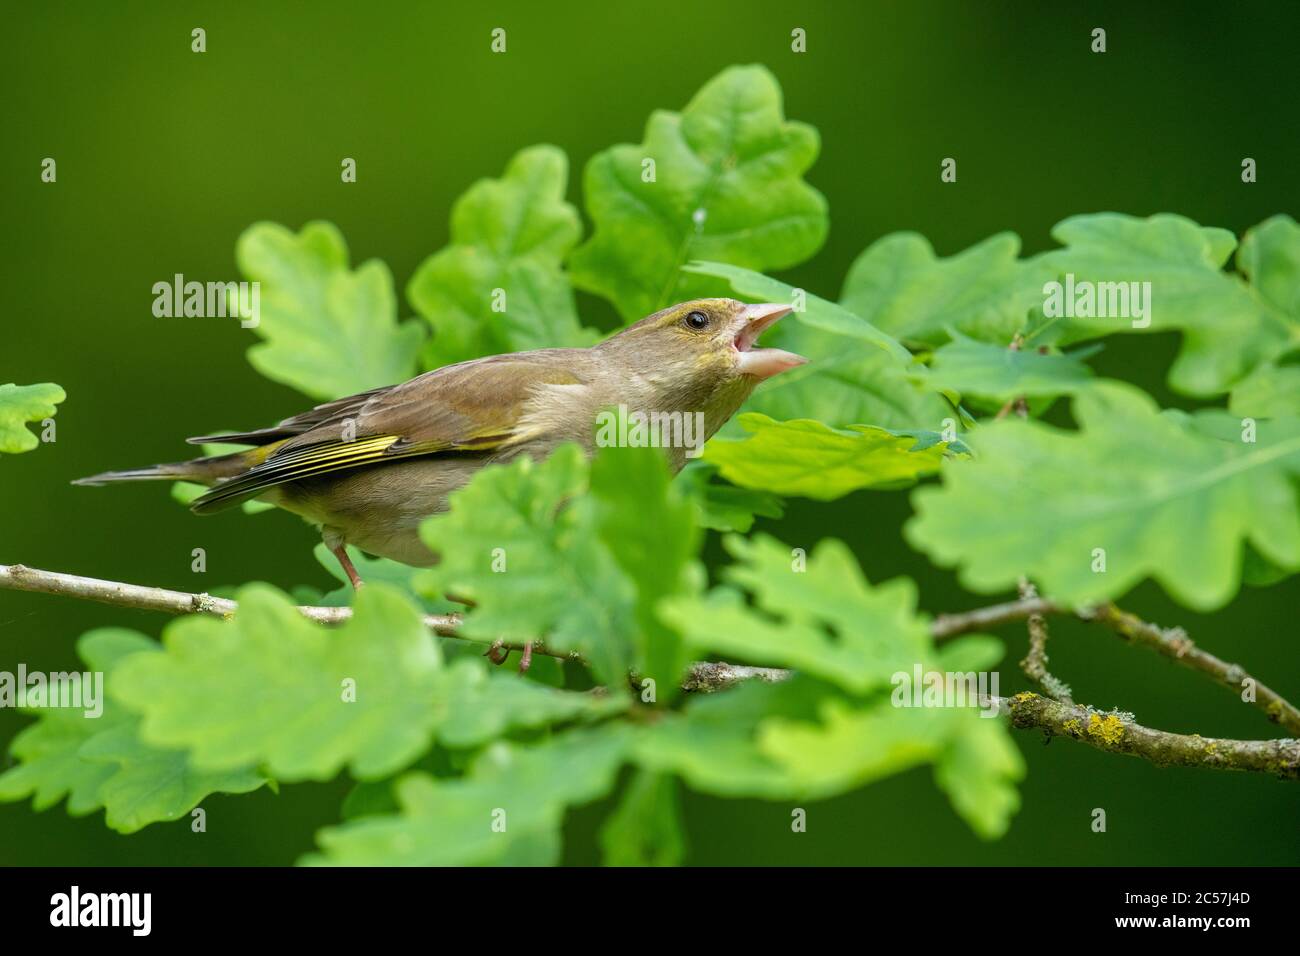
x=337, y=410
x=473, y=407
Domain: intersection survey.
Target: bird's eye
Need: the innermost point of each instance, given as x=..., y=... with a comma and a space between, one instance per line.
x=697, y=321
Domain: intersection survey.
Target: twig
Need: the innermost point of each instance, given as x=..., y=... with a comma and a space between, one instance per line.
x=1174, y=644
x=703, y=676
x=18, y=577
x=1114, y=732
x=1169, y=642
x=947, y=626
x=1035, y=663
x=709, y=676
x=1110, y=732
x=1118, y=733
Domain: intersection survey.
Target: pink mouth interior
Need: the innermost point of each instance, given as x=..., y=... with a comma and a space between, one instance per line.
x=762, y=363
x=747, y=336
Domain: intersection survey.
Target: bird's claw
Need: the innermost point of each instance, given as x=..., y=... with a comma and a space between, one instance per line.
x=497, y=654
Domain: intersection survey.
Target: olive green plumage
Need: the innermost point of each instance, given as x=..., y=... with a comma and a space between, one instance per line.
x=367, y=469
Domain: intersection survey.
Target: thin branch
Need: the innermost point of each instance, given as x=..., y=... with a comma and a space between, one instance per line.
x=709, y=676
x=1174, y=644
x=18, y=577
x=1120, y=734
x=947, y=626
x=1169, y=642
x=703, y=676
x=1035, y=663
x=1112, y=732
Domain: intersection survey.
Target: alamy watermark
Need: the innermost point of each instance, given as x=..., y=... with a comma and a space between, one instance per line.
x=1085, y=299
x=922, y=688
x=58, y=689
x=133, y=911
x=621, y=428
x=208, y=300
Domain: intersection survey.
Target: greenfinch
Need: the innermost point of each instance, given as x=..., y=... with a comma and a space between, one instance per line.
x=369, y=468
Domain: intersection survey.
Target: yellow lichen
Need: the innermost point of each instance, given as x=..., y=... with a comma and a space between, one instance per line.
x=1108, y=729
x=1072, y=726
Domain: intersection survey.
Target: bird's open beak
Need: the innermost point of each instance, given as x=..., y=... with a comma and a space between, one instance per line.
x=763, y=363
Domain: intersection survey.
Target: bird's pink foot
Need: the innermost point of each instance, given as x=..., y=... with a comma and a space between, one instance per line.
x=349, y=568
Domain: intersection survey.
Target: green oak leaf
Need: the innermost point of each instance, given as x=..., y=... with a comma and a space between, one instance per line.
x=849, y=746
x=985, y=292
x=197, y=694
x=50, y=765
x=712, y=743
x=537, y=848
x=1259, y=572
x=1234, y=427
x=726, y=185
x=271, y=688
x=825, y=620
x=102, y=761
x=329, y=331
x=152, y=784
x=846, y=384
x=649, y=526
x=20, y=404
x=1269, y=256
x=812, y=460
x=723, y=507
x=499, y=812
x=1271, y=391
x=1228, y=327
x=974, y=759
x=484, y=705
x=572, y=555
x=968, y=367
x=799, y=739
x=534, y=569
x=509, y=234
x=369, y=798
x=978, y=769
x=1135, y=491
x=646, y=828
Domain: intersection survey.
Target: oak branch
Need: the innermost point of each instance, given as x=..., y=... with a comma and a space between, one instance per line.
x=1112, y=732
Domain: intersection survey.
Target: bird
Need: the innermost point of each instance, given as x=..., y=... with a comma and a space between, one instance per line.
x=367, y=469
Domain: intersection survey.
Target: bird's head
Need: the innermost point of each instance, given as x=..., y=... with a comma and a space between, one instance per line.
x=703, y=351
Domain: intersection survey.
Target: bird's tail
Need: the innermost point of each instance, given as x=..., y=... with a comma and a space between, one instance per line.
x=204, y=471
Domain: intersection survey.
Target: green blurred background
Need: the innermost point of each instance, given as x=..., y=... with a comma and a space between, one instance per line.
x=165, y=156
